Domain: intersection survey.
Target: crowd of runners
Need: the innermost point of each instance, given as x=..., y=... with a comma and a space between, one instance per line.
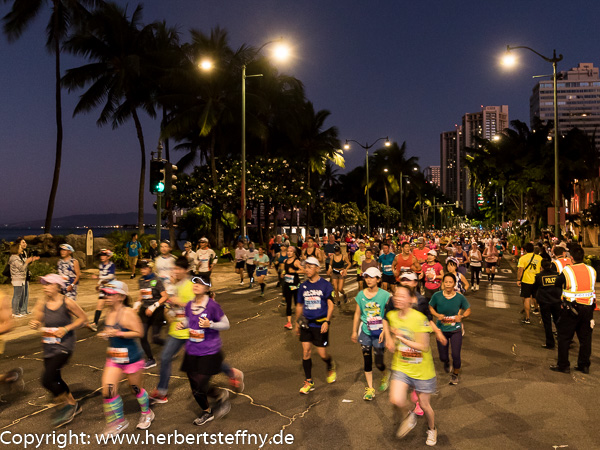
x=409, y=286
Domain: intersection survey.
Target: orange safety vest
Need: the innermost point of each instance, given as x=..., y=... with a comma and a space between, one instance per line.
x=561, y=263
x=580, y=283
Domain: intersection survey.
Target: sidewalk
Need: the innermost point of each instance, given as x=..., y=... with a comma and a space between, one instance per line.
x=223, y=277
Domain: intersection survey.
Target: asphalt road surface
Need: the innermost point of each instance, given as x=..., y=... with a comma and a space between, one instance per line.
x=507, y=397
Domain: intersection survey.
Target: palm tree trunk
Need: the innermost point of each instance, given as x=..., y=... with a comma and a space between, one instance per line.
x=215, y=217
x=140, y=135
x=59, y=135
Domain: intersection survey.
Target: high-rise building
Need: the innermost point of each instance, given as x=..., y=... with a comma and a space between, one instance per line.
x=578, y=99
x=454, y=145
x=432, y=175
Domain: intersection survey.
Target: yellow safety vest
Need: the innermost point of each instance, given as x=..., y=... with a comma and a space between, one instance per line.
x=580, y=284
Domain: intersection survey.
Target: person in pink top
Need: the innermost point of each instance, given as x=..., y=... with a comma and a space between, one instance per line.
x=433, y=274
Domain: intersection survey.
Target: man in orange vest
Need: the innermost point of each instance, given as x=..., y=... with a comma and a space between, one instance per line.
x=577, y=313
x=561, y=260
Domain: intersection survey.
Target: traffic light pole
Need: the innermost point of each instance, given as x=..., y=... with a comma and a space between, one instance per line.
x=158, y=197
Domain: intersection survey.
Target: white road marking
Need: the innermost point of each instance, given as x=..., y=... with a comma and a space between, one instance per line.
x=495, y=297
x=507, y=271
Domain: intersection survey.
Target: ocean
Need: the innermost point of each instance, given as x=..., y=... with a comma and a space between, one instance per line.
x=10, y=234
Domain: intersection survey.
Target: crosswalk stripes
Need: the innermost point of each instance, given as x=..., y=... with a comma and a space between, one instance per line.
x=495, y=297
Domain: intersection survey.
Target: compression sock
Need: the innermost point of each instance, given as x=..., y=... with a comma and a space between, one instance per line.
x=262, y=288
x=328, y=362
x=97, y=315
x=144, y=402
x=307, y=366
x=113, y=409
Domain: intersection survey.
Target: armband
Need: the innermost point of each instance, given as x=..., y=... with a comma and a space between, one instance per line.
x=136, y=305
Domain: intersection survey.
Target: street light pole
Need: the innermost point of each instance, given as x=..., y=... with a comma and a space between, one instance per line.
x=554, y=60
x=367, y=146
x=243, y=215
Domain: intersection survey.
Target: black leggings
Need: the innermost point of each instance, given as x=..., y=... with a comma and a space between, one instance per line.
x=367, y=352
x=155, y=321
x=200, y=387
x=51, y=378
x=475, y=272
x=455, y=344
x=289, y=294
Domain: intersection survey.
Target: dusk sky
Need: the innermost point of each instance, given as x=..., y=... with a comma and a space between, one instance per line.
x=407, y=70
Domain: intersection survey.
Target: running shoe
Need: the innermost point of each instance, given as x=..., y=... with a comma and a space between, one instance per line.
x=526, y=321
x=369, y=394
x=307, y=387
x=15, y=379
x=237, y=381
x=536, y=311
x=150, y=364
x=385, y=381
x=332, y=374
x=66, y=415
x=222, y=408
x=145, y=420
x=116, y=427
x=288, y=326
x=407, y=424
x=453, y=379
x=92, y=326
x=431, y=437
x=157, y=397
x=418, y=410
x=241, y=283
x=205, y=417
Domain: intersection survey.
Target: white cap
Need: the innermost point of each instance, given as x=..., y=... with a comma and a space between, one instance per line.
x=409, y=275
x=372, y=272
x=432, y=252
x=115, y=287
x=313, y=261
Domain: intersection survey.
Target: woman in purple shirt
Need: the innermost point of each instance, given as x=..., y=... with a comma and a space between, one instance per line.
x=203, y=357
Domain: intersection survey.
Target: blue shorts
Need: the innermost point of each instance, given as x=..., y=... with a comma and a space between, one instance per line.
x=261, y=272
x=423, y=386
x=369, y=341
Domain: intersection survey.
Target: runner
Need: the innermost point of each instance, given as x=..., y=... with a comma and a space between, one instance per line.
x=367, y=328
x=150, y=309
x=406, y=261
x=13, y=379
x=369, y=261
x=203, y=356
x=386, y=260
x=134, y=249
x=407, y=337
x=206, y=259
x=433, y=273
x=462, y=285
x=421, y=255
x=240, y=261
x=290, y=270
x=358, y=258
x=475, y=259
x=190, y=255
x=53, y=317
x=251, y=254
x=280, y=257
x=106, y=273
x=450, y=308
x=68, y=268
x=163, y=266
x=337, y=272
x=313, y=316
x=122, y=328
x=329, y=250
x=312, y=250
x=490, y=255
x=263, y=262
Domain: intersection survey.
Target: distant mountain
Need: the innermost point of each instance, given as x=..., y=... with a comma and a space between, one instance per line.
x=87, y=220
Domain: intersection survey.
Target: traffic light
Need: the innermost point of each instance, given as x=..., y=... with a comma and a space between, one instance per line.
x=170, y=178
x=157, y=176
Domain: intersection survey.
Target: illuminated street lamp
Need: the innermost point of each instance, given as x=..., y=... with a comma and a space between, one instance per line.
x=367, y=147
x=510, y=60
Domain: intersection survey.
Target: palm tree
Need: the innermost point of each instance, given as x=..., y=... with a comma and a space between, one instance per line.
x=64, y=13
x=122, y=73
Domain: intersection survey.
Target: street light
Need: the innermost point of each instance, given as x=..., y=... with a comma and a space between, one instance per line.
x=510, y=60
x=367, y=147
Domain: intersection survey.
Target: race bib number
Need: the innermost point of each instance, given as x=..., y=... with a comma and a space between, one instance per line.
x=312, y=303
x=409, y=355
x=449, y=320
x=431, y=275
x=118, y=355
x=146, y=294
x=289, y=279
x=196, y=335
x=48, y=336
x=374, y=323
x=387, y=268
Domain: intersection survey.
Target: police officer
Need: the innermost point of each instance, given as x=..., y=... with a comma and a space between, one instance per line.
x=548, y=297
x=578, y=281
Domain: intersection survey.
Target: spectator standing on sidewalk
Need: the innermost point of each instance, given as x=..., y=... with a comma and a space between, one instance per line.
x=19, y=277
x=133, y=252
x=528, y=268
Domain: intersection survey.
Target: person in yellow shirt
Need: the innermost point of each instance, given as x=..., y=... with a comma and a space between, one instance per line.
x=528, y=267
x=358, y=258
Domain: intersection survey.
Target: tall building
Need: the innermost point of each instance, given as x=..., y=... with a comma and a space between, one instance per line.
x=432, y=175
x=578, y=99
x=454, y=176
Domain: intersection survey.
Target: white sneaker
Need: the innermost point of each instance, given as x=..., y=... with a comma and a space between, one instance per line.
x=145, y=420
x=431, y=437
x=115, y=428
x=407, y=424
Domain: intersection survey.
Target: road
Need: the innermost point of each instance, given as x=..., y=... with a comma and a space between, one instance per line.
x=507, y=397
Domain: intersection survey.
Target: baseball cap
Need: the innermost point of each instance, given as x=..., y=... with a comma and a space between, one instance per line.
x=336, y=248
x=66, y=247
x=360, y=241
x=313, y=261
x=409, y=276
x=53, y=278
x=143, y=263
x=372, y=272
x=432, y=252
x=115, y=287
x=421, y=240
x=203, y=239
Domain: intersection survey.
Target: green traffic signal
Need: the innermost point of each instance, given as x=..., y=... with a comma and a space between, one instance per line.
x=160, y=187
